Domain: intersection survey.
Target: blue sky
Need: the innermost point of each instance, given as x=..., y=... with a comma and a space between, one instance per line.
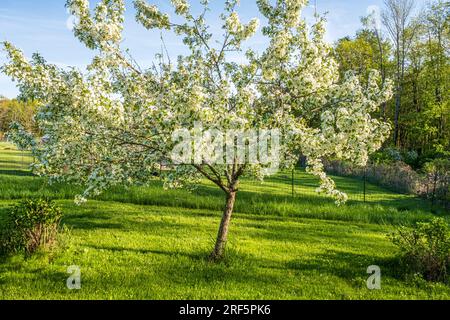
x=41, y=26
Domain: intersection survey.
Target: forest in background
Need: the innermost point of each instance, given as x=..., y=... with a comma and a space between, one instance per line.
x=413, y=51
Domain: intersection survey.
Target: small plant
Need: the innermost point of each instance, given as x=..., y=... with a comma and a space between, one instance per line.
x=30, y=225
x=425, y=249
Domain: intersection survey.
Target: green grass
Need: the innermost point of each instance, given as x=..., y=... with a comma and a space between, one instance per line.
x=148, y=243
x=13, y=161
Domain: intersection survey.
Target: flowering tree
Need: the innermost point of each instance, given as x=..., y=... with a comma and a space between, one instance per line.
x=116, y=123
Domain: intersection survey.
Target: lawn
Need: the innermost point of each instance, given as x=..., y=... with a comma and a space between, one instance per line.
x=148, y=243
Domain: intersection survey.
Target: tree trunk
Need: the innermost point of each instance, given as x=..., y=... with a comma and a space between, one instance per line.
x=396, y=117
x=398, y=96
x=223, y=229
x=382, y=70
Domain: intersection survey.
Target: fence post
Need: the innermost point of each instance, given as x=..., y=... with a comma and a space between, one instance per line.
x=293, y=181
x=365, y=177
x=433, y=199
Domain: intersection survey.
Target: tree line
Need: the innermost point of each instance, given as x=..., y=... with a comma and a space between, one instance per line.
x=15, y=110
x=409, y=45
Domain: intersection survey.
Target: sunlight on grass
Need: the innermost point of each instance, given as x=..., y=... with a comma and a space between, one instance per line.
x=129, y=251
x=151, y=243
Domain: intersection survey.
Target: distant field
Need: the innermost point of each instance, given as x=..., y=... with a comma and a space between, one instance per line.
x=148, y=243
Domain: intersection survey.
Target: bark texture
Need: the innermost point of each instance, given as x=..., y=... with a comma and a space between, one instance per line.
x=222, y=235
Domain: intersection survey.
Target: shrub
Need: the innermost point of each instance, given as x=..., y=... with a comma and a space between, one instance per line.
x=425, y=249
x=396, y=176
x=438, y=180
x=432, y=183
x=30, y=224
x=386, y=156
x=411, y=158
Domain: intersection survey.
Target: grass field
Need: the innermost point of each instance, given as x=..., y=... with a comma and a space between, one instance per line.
x=148, y=243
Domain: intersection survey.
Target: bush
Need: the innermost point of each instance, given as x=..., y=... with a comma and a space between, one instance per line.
x=425, y=249
x=438, y=180
x=396, y=176
x=411, y=158
x=30, y=225
x=432, y=183
x=386, y=156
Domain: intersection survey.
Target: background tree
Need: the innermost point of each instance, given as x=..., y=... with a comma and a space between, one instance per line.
x=397, y=18
x=424, y=113
x=115, y=124
x=437, y=69
x=17, y=111
x=356, y=54
x=425, y=109
x=372, y=25
x=362, y=54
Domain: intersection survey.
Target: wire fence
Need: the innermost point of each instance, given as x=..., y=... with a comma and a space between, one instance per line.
x=286, y=183
x=399, y=177
x=13, y=161
x=297, y=183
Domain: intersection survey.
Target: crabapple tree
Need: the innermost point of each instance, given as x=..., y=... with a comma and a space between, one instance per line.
x=116, y=123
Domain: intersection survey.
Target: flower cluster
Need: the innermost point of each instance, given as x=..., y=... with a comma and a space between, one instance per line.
x=150, y=16
x=181, y=7
x=104, y=28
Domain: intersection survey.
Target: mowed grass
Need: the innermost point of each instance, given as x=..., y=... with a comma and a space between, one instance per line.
x=148, y=243
x=13, y=161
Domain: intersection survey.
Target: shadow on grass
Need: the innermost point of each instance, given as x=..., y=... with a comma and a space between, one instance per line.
x=407, y=204
x=13, y=161
x=192, y=269
x=192, y=255
x=13, y=172
x=347, y=265
x=91, y=222
x=16, y=263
